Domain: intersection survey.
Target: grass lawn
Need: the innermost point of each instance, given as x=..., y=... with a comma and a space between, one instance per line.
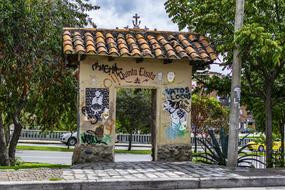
x=63, y=149
x=44, y=148
x=29, y=165
x=133, y=151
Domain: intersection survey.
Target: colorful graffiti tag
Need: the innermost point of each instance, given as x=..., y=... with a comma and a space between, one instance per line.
x=177, y=104
x=117, y=74
x=96, y=137
x=96, y=103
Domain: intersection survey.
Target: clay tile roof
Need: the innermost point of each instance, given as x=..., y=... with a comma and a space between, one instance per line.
x=138, y=43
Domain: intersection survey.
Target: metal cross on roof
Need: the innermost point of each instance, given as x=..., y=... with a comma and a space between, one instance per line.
x=136, y=22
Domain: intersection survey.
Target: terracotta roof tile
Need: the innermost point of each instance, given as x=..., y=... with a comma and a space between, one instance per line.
x=201, y=51
x=111, y=45
x=170, y=53
x=99, y=34
x=78, y=43
x=90, y=45
x=67, y=42
x=192, y=37
x=133, y=46
x=68, y=49
x=138, y=43
x=100, y=40
x=155, y=46
x=122, y=46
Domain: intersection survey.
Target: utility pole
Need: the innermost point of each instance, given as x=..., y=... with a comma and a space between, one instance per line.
x=235, y=92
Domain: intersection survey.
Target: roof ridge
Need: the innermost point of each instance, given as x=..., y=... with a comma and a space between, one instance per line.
x=139, y=30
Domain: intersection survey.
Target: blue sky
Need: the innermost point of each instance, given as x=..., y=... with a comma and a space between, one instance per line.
x=119, y=13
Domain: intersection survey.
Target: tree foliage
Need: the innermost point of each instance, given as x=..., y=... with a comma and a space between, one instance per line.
x=207, y=84
x=261, y=41
x=207, y=113
x=33, y=79
x=133, y=111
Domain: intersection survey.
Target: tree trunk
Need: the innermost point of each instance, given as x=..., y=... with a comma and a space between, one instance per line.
x=282, y=145
x=7, y=132
x=153, y=124
x=268, y=126
x=4, y=157
x=14, y=140
x=130, y=140
x=195, y=141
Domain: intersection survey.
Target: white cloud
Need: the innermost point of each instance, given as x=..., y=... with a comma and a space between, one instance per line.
x=112, y=14
x=219, y=69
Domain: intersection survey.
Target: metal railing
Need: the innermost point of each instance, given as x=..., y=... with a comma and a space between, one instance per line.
x=41, y=135
x=121, y=138
x=244, y=141
x=136, y=138
x=261, y=157
x=55, y=136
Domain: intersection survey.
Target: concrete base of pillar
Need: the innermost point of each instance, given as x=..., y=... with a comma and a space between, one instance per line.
x=88, y=153
x=174, y=152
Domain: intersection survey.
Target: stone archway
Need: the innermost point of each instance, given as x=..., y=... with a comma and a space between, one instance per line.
x=144, y=121
x=109, y=59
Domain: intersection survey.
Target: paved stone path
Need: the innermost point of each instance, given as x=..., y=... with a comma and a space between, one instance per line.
x=127, y=170
x=141, y=175
x=134, y=171
x=144, y=170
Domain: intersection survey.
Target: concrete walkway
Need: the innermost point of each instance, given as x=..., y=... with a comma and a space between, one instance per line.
x=141, y=175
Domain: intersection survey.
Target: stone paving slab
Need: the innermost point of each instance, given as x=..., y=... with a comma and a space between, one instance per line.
x=141, y=175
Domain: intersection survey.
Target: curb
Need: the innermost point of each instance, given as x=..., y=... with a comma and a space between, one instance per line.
x=162, y=184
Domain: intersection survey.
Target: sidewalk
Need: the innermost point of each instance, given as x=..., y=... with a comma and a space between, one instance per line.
x=140, y=175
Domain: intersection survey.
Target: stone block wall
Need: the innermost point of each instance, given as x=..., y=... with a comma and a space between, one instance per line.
x=174, y=152
x=85, y=153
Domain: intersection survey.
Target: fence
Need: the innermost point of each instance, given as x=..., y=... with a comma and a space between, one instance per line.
x=121, y=138
x=55, y=136
x=242, y=142
x=39, y=135
x=259, y=159
x=136, y=138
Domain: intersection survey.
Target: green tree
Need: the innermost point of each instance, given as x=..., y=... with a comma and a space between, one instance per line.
x=33, y=78
x=261, y=41
x=207, y=113
x=221, y=85
x=207, y=84
x=134, y=111
x=262, y=50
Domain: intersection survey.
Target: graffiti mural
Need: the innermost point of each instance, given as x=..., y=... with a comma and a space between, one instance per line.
x=96, y=137
x=96, y=104
x=109, y=69
x=177, y=104
x=117, y=74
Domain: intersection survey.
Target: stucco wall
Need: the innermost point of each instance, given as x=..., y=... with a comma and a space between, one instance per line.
x=100, y=78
